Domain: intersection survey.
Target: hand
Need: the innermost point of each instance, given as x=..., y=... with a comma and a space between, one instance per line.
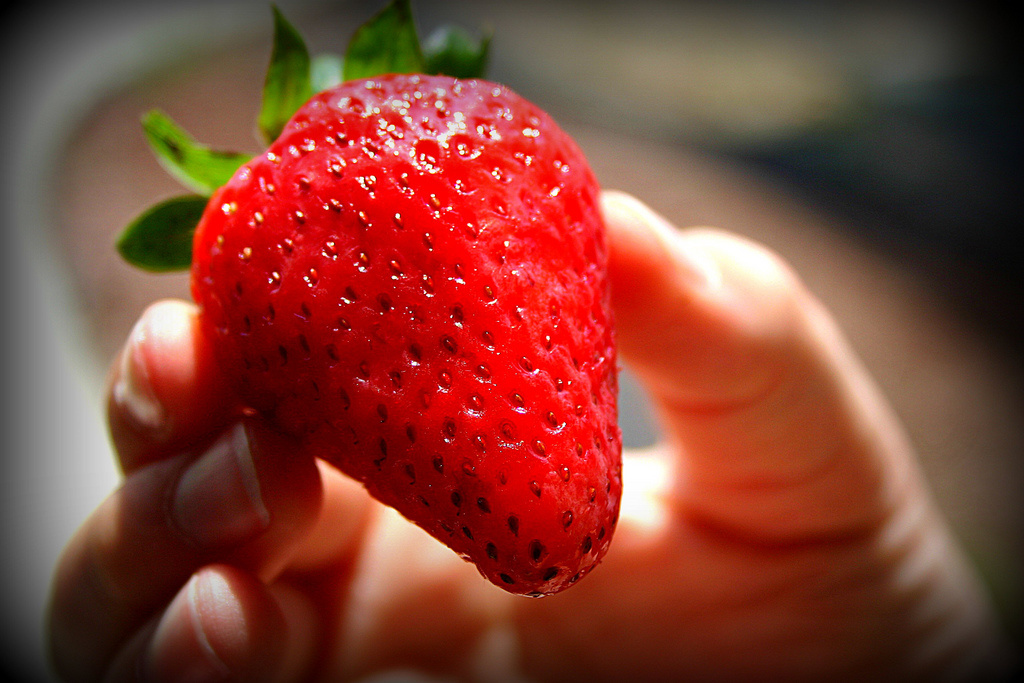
x=781, y=531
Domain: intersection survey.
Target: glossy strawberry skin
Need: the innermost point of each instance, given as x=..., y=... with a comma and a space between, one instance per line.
x=412, y=280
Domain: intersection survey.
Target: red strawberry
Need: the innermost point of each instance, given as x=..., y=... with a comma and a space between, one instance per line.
x=412, y=280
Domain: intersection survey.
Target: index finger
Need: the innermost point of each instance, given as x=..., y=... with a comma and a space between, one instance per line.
x=166, y=393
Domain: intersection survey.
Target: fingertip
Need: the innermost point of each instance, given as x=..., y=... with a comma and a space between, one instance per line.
x=165, y=388
x=222, y=625
x=133, y=397
x=180, y=361
x=218, y=499
x=645, y=246
x=292, y=490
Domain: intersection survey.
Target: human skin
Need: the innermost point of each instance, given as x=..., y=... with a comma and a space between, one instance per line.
x=780, y=531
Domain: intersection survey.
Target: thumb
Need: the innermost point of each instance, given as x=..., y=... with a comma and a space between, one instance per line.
x=781, y=435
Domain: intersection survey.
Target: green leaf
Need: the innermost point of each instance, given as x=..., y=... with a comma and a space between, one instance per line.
x=287, y=86
x=194, y=165
x=325, y=71
x=451, y=51
x=387, y=43
x=160, y=240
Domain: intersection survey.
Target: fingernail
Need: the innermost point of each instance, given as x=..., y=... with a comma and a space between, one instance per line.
x=218, y=501
x=133, y=390
x=691, y=262
x=181, y=649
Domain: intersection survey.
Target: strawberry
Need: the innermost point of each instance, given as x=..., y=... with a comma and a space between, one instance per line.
x=411, y=280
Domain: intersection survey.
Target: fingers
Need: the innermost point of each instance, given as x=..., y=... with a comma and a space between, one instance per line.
x=165, y=391
x=248, y=499
x=224, y=624
x=200, y=487
x=783, y=435
x=167, y=396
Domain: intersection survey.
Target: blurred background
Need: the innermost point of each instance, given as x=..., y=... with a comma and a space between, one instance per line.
x=877, y=146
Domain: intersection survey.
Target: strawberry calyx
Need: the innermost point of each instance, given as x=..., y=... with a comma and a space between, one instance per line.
x=287, y=85
x=160, y=239
x=196, y=166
